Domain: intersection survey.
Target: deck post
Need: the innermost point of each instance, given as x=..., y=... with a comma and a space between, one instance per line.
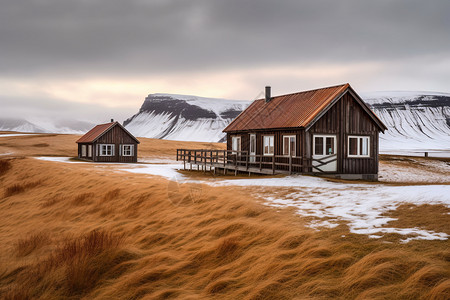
x=205, y=162
x=290, y=164
x=246, y=160
x=273, y=164
x=184, y=159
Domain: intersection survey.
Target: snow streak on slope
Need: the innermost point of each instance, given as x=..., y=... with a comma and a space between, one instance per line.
x=41, y=125
x=416, y=121
x=187, y=118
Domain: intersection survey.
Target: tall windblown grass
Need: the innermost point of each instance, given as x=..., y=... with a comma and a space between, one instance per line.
x=114, y=240
x=5, y=165
x=19, y=188
x=78, y=264
x=25, y=246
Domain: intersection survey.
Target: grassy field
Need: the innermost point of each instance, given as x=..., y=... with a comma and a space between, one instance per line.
x=82, y=231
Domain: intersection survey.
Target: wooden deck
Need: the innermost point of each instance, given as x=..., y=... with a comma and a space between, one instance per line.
x=242, y=162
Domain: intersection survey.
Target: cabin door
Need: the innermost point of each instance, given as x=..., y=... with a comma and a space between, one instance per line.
x=324, y=153
x=252, y=148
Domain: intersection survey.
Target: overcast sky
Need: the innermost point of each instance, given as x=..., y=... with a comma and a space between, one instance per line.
x=97, y=59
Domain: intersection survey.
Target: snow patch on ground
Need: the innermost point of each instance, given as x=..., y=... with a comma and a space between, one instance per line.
x=59, y=159
x=168, y=171
x=157, y=160
x=362, y=208
x=15, y=134
x=429, y=171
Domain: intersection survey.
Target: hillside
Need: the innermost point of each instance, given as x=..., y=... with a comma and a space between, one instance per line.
x=416, y=121
x=44, y=125
x=181, y=117
x=95, y=231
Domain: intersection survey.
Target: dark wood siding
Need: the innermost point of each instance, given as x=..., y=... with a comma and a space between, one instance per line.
x=346, y=118
x=116, y=136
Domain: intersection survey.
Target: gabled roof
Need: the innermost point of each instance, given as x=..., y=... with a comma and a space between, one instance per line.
x=300, y=109
x=99, y=130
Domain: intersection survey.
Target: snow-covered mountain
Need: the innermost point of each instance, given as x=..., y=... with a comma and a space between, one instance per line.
x=416, y=121
x=41, y=125
x=181, y=117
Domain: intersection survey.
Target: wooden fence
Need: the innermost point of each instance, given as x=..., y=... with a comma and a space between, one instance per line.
x=252, y=163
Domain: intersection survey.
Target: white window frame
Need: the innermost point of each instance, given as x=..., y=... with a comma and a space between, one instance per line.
x=268, y=138
x=236, y=144
x=89, y=151
x=109, y=149
x=289, y=137
x=324, y=146
x=252, y=145
x=131, y=149
x=359, y=138
x=83, y=150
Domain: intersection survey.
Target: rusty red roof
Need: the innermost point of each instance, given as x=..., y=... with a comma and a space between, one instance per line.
x=96, y=132
x=292, y=110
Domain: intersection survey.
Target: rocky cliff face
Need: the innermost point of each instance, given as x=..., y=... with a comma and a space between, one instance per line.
x=187, y=118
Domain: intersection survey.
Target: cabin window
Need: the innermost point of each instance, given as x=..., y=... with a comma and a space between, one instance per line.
x=89, y=150
x=324, y=145
x=329, y=145
x=83, y=150
x=289, y=145
x=106, y=149
x=127, y=150
x=236, y=144
x=318, y=145
x=358, y=146
x=268, y=145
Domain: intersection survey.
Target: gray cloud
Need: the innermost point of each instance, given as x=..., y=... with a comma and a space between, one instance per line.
x=149, y=37
x=210, y=45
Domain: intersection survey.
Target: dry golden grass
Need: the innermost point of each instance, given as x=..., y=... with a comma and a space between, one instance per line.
x=116, y=236
x=20, y=188
x=430, y=217
x=5, y=165
x=64, y=145
x=27, y=245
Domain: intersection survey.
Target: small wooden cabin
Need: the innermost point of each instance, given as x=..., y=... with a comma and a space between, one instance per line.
x=109, y=142
x=328, y=131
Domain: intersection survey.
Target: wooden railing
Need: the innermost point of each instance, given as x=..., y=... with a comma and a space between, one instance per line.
x=242, y=160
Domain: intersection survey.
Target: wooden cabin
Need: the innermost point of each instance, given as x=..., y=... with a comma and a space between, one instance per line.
x=109, y=142
x=328, y=131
